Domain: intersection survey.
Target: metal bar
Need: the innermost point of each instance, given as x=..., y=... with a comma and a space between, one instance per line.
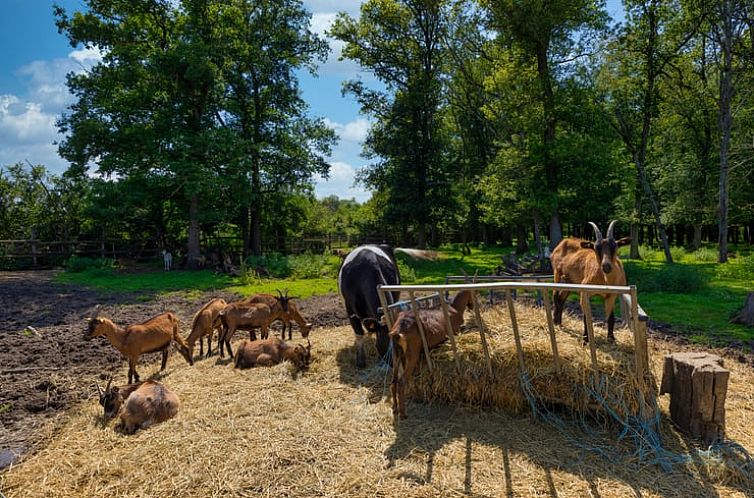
x=419, y=324
x=594, y=289
x=514, y=324
x=586, y=308
x=385, y=309
x=480, y=324
x=451, y=335
x=551, y=329
x=502, y=278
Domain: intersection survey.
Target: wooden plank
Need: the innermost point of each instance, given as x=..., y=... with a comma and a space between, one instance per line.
x=640, y=341
x=386, y=312
x=586, y=308
x=451, y=335
x=551, y=329
x=516, y=335
x=420, y=325
x=544, y=286
x=482, y=334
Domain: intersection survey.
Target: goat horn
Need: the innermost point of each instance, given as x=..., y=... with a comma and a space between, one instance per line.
x=280, y=294
x=109, y=381
x=610, y=230
x=99, y=389
x=597, y=232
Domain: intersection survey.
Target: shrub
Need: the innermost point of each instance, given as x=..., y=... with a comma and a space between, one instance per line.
x=78, y=264
x=309, y=265
x=675, y=278
x=275, y=263
x=677, y=252
x=408, y=275
x=704, y=255
x=741, y=268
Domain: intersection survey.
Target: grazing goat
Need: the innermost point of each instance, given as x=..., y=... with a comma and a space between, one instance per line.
x=580, y=261
x=245, y=316
x=407, y=343
x=154, y=335
x=142, y=404
x=270, y=352
x=291, y=314
x=167, y=258
x=204, y=324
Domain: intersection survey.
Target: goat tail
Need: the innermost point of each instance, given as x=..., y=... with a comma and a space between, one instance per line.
x=417, y=253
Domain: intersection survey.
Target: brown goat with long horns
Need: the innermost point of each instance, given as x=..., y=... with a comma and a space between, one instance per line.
x=156, y=334
x=580, y=261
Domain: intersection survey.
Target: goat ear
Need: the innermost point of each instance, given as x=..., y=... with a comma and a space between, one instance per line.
x=623, y=242
x=586, y=244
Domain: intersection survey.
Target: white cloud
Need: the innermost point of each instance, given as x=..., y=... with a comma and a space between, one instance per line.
x=340, y=183
x=350, y=6
x=24, y=123
x=353, y=131
x=87, y=57
x=321, y=23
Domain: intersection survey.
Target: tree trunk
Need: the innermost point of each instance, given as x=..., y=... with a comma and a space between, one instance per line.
x=697, y=243
x=746, y=315
x=245, y=232
x=726, y=122
x=194, y=251
x=522, y=245
x=634, y=253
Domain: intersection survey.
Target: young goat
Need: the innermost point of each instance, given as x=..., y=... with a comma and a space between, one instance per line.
x=291, y=314
x=580, y=261
x=142, y=404
x=244, y=316
x=154, y=335
x=266, y=353
x=407, y=343
x=204, y=324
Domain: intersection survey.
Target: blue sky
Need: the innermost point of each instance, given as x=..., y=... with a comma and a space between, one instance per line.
x=36, y=59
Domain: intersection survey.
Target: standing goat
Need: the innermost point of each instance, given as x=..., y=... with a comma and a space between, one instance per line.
x=292, y=312
x=580, y=261
x=407, y=343
x=270, y=352
x=154, y=335
x=142, y=404
x=204, y=324
x=245, y=316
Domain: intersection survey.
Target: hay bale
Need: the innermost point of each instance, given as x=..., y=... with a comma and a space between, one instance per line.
x=576, y=387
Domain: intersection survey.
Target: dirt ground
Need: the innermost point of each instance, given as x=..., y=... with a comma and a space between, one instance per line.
x=46, y=365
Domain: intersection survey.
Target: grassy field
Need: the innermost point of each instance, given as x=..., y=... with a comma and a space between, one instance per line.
x=695, y=295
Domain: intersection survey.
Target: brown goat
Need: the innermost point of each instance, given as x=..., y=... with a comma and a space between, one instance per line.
x=204, y=324
x=143, y=404
x=154, y=335
x=580, y=261
x=243, y=316
x=408, y=347
x=291, y=314
x=270, y=352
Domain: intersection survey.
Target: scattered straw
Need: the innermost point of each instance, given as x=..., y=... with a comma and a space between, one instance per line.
x=327, y=432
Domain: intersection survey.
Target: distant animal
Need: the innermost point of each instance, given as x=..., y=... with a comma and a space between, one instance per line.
x=140, y=405
x=167, y=258
x=156, y=334
x=580, y=261
x=248, y=316
x=270, y=352
x=204, y=325
x=407, y=342
x=291, y=314
x=361, y=272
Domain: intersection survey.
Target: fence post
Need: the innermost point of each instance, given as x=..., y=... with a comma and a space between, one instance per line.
x=514, y=325
x=33, y=246
x=551, y=329
x=385, y=309
x=451, y=335
x=586, y=308
x=419, y=324
x=480, y=324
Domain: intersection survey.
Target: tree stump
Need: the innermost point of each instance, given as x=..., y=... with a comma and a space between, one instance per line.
x=746, y=315
x=697, y=383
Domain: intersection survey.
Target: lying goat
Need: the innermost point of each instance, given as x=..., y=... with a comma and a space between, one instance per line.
x=204, y=324
x=142, y=404
x=579, y=261
x=266, y=353
x=291, y=314
x=407, y=343
x=244, y=316
x=154, y=335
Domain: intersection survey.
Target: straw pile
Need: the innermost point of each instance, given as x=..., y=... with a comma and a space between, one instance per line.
x=329, y=432
x=575, y=386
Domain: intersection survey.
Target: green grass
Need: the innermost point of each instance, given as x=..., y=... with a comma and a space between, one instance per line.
x=696, y=296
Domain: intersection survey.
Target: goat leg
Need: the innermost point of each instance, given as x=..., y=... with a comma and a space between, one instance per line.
x=610, y=327
x=164, y=358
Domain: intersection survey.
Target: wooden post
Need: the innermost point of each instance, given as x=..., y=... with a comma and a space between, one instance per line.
x=480, y=324
x=586, y=308
x=697, y=383
x=516, y=336
x=451, y=335
x=641, y=355
x=33, y=246
x=419, y=324
x=385, y=309
x=551, y=328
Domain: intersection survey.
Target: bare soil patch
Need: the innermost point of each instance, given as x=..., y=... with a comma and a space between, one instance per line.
x=49, y=367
